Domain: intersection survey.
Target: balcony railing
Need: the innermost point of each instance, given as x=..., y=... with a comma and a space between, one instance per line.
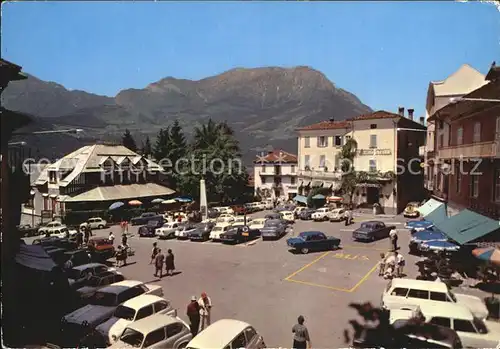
x=476, y=150
x=320, y=174
x=270, y=173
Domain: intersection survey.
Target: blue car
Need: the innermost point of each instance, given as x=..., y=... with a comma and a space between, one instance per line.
x=424, y=236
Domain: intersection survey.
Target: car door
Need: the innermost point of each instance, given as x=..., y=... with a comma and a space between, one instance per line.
x=254, y=340
x=157, y=339
x=144, y=312
x=469, y=335
x=175, y=332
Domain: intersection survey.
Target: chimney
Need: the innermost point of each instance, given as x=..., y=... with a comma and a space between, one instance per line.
x=401, y=111
x=422, y=120
x=410, y=113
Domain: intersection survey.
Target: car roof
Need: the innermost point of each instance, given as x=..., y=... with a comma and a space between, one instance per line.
x=422, y=284
x=446, y=309
x=311, y=232
x=273, y=220
x=286, y=212
x=371, y=222
x=153, y=322
x=219, y=334
x=142, y=300
x=89, y=265
x=118, y=287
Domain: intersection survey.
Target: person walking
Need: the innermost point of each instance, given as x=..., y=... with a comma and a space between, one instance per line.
x=301, y=338
x=124, y=239
x=111, y=237
x=193, y=313
x=393, y=235
x=126, y=226
x=381, y=268
x=159, y=263
x=346, y=216
x=154, y=252
x=169, y=263
x=205, y=310
x=122, y=226
x=400, y=263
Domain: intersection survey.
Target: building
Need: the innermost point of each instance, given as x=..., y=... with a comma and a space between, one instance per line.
x=382, y=138
x=440, y=94
x=275, y=175
x=95, y=176
x=469, y=169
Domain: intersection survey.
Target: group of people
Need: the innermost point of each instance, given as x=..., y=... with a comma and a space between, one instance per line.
x=123, y=250
x=199, y=313
x=391, y=265
x=158, y=258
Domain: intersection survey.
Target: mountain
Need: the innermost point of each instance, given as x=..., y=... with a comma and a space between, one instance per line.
x=263, y=105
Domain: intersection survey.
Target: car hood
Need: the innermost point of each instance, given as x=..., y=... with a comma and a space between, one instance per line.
x=269, y=229
x=474, y=304
x=294, y=241
x=86, y=290
x=363, y=230
x=113, y=326
x=92, y=314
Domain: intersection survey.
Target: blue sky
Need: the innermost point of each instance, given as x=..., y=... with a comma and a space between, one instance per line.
x=384, y=52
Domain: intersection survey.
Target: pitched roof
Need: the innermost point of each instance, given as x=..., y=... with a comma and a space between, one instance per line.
x=277, y=156
x=326, y=125
x=379, y=114
x=462, y=81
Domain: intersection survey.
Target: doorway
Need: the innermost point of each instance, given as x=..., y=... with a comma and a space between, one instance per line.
x=372, y=195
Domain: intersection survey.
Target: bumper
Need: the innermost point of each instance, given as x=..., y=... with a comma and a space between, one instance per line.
x=362, y=237
x=198, y=238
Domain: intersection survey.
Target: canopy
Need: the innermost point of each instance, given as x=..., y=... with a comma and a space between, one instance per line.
x=156, y=201
x=319, y=197
x=490, y=254
x=468, y=226
x=170, y=201
x=116, y=205
x=183, y=199
x=439, y=245
x=300, y=198
x=34, y=257
x=429, y=206
x=134, y=203
x=437, y=215
x=317, y=184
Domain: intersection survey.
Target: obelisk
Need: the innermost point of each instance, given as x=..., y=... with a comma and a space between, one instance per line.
x=203, y=200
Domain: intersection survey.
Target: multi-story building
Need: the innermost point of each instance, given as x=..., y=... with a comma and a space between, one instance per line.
x=275, y=175
x=382, y=138
x=95, y=176
x=440, y=94
x=469, y=172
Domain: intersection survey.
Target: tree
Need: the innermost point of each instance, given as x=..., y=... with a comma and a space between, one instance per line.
x=146, y=147
x=177, y=151
x=162, y=145
x=350, y=178
x=128, y=141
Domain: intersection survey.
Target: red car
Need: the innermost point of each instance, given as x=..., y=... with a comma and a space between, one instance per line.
x=238, y=209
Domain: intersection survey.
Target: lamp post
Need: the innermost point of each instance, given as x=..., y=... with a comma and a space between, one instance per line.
x=32, y=193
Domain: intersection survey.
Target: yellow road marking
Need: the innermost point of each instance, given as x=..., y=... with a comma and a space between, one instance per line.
x=364, y=278
x=308, y=265
x=318, y=285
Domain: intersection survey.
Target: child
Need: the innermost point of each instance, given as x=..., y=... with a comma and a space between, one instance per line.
x=381, y=269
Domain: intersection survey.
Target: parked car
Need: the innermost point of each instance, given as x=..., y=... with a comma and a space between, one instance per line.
x=79, y=274
x=238, y=209
x=411, y=210
x=156, y=331
x=257, y=223
x=218, y=230
x=63, y=232
x=213, y=213
x=95, y=282
x=149, y=230
x=321, y=214
x=100, y=248
x=27, y=230
x=273, y=229
x=77, y=257
x=227, y=333
x=239, y=220
x=372, y=230
x=239, y=233
x=50, y=227
x=288, y=216
x=167, y=230
x=252, y=207
x=144, y=218
x=313, y=241
x=131, y=311
x=54, y=241
x=202, y=232
x=298, y=210
x=423, y=236
x=268, y=205
x=184, y=231
x=336, y=215
x=225, y=219
x=96, y=223
x=306, y=214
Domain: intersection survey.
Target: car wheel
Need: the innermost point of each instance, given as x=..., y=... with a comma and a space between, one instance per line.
x=304, y=250
x=100, y=227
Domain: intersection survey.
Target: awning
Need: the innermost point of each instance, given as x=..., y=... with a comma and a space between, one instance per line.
x=438, y=215
x=34, y=257
x=300, y=198
x=317, y=184
x=121, y=192
x=334, y=198
x=468, y=226
x=429, y=206
x=319, y=197
x=53, y=196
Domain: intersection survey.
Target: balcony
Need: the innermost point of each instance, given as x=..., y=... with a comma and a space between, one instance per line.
x=469, y=151
x=318, y=174
x=267, y=173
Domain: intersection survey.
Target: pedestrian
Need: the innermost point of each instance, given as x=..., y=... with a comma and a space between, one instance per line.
x=111, y=237
x=390, y=266
x=79, y=238
x=301, y=334
x=126, y=226
x=86, y=231
x=393, y=235
x=154, y=252
x=350, y=216
x=400, y=262
x=346, y=216
x=205, y=310
x=159, y=263
x=122, y=226
x=124, y=240
x=381, y=268
x=193, y=313
x=119, y=256
x=169, y=263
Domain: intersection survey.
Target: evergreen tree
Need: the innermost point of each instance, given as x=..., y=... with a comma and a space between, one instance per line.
x=128, y=141
x=146, y=147
x=162, y=145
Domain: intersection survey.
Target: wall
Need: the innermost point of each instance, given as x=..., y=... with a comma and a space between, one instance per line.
x=315, y=152
x=288, y=171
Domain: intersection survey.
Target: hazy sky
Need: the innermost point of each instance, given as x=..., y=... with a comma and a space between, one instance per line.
x=384, y=52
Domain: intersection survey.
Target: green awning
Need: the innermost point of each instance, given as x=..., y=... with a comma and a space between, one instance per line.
x=317, y=184
x=300, y=198
x=468, y=226
x=429, y=206
x=319, y=197
x=437, y=215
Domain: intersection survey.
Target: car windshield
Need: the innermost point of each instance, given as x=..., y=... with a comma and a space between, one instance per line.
x=481, y=327
x=123, y=312
x=104, y=299
x=367, y=225
x=272, y=224
x=132, y=337
x=217, y=229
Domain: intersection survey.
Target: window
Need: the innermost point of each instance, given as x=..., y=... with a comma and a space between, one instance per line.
x=264, y=169
x=373, y=166
x=250, y=333
x=441, y=124
x=321, y=161
x=264, y=180
x=440, y=141
x=337, y=141
x=154, y=337
x=477, y=132
x=174, y=329
x=322, y=141
x=460, y=136
x=459, y=180
x=441, y=321
x=373, y=126
x=145, y=312
x=496, y=185
x=373, y=141
x=421, y=294
x=239, y=342
x=292, y=180
x=398, y=291
x=474, y=186
x=463, y=326
x=293, y=168
x=307, y=142
x=438, y=296
x=307, y=163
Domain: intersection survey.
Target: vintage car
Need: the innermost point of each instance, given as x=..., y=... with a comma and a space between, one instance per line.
x=313, y=241
x=218, y=230
x=54, y=241
x=238, y=209
x=100, y=248
x=306, y=214
x=167, y=230
x=268, y=205
x=411, y=210
x=321, y=214
x=79, y=274
x=239, y=233
x=202, y=231
x=213, y=213
x=101, y=307
x=77, y=257
x=228, y=333
x=63, y=233
x=184, y=232
x=95, y=223
x=288, y=216
x=298, y=210
x=423, y=236
x=371, y=231
x=252, y=207
x=257, y=223
x=133, y=310
x=144, y=218
x=95, y=282
x=273, y=229
x=336, y=215
x=51, y=227
x=155, y=331
x=239, y=220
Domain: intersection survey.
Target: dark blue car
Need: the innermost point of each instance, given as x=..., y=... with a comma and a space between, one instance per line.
x=313, y=241
x=423, y=236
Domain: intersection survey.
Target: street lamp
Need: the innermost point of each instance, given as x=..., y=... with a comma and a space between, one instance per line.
x=458, y=99
x=32, y=193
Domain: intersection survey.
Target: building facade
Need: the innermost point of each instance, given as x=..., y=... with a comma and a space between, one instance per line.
x=469, y=171
x=275, y=175
x=382, y=138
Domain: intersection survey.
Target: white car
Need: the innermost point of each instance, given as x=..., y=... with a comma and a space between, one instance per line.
x=239, y=220
x=219, y=229
x=288, y=216
x=62, y=232
x=184, y=231
x=133, y=310
x=297, y=210
x=321, y=214
x=96, y=223
x=336, y=215
x=257, y=223
x=225, y=219
x=167, y=230
x=104, y=302
x=96, y=282
x=51, y=227
x=268, y=205
x=262, y=205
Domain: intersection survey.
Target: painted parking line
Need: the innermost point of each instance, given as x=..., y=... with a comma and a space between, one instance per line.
x=307, y=265
x=364, y=278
